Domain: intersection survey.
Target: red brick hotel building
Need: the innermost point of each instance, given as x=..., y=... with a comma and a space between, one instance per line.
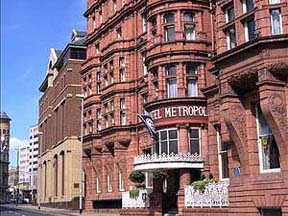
x=213, y=76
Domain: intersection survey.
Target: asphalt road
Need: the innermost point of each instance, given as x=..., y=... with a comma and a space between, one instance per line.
x=11, y=210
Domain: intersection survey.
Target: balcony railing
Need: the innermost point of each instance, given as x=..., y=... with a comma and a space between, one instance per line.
x=167, y=161
x=141, y=201
x=214, y=195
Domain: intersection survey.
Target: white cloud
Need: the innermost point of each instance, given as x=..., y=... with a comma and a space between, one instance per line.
x=15, y=143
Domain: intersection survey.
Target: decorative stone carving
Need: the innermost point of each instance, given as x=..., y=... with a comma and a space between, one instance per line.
x=279, y=69
x=226, y=89
x=265, y=53
x=238, y=119
x=264, y=75
x=278, y=110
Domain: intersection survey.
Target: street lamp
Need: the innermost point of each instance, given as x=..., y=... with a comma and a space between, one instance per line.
x=40, y=134
x=81, y=96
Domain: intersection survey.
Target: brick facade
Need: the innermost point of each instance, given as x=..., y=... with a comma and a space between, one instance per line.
x=150, y=55
x=59, y=126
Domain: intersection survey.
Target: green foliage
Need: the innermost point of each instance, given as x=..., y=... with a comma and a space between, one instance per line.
x=159, y=175
x=137, y=177
x=134, y=193
x=201, y=184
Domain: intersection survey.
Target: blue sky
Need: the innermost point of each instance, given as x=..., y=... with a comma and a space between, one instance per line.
x=29, y=28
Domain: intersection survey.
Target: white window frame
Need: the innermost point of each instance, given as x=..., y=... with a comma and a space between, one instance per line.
x=168, y=140
x=274, y=1
x=244, y=6
x=192, y=26
x=122, y=119
x=280, y=19
x=145, y=70
x=196, y=90
x=262, y=170
x=98, y=186
x=122, y=74
x=229, y=39
x=200, y=139
x=168, y=87
x=220, y=162
x=121, y=182
x=226, y=13
x=144, y=24
x=109, y=185
x=122, y=103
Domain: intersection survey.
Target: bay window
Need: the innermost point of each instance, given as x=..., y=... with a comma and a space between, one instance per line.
x=168, y=142
x=267, y=146
x=195, y=141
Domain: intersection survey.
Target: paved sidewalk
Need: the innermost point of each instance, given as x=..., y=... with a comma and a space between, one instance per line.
x=59, y=212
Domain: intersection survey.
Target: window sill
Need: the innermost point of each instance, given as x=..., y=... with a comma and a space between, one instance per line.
x=276, y=170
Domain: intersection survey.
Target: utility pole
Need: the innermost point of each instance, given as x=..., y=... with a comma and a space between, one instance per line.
x=17, y=190
x=81, y=140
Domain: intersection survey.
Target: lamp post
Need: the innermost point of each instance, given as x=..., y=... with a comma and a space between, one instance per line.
x=81, y=96
x=40, y=134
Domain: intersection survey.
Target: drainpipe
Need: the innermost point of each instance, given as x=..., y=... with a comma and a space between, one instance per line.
x=212, y=26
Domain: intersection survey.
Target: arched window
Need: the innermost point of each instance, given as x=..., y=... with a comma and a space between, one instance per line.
x=55, y=166
x=62, y=173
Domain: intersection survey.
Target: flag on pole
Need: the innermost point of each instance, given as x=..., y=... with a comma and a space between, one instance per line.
x=147, y=120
